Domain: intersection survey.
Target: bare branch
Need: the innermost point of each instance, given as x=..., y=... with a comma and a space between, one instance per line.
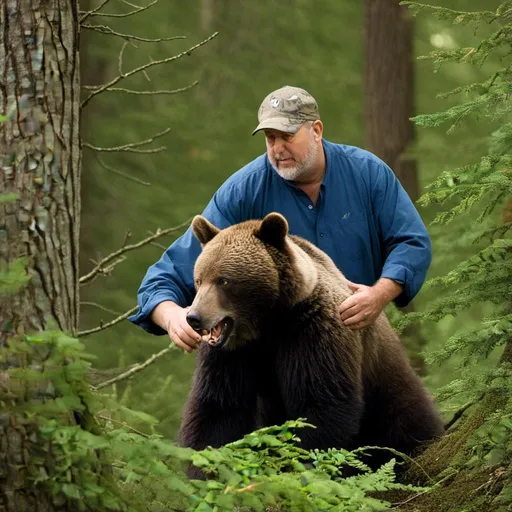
x=99, y=306
x=129, y=91
x=108, y=15
x=132, y=147
x=145, y=66
x=137, y=368
x=124, y=316
x=120, y=173
x=128, y=149
x=105, y=261
x=94, y=11
x=104, y=29
x=122, y=423
x=120, y=62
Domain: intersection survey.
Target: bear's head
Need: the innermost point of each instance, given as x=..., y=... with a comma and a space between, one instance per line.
x=244, y=273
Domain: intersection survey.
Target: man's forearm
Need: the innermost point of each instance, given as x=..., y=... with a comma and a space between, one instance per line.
x=387, y=289
x=160, y=314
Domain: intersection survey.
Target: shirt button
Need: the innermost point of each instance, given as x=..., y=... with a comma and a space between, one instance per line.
x=310, y=206
x=321, y=234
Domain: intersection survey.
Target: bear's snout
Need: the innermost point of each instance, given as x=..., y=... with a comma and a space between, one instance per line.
x=195, y=321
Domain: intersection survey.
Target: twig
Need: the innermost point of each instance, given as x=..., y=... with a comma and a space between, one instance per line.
x=94, y=11
x=136, y=368
x=458, y=414
x=396, y=505
x=122, y=423
x=395, y=452
x=99, y=306
x=120, y=173
x=124, y=316
x=104, y=29
x=120, y=62
x=131, y=147
x=145, y=66
x=127, y=236
x=114, y=255
x=108, y=15
x=129, y=91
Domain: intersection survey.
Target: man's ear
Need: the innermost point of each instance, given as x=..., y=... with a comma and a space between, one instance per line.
x=203, y=230
x=273, y=230
x=318, y=129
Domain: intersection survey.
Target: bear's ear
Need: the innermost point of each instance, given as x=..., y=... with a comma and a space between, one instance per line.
x=203, y=230
x=273, y=230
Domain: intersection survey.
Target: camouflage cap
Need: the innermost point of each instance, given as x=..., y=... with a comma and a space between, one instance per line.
x=286, y=110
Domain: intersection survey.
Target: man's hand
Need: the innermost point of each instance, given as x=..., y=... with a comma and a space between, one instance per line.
x=367, y=303
x=173, y=319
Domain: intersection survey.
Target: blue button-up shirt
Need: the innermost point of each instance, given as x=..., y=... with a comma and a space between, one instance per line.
x=363, y=220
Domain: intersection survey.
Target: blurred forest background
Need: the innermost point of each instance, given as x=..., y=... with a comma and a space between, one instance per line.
x=261, y=46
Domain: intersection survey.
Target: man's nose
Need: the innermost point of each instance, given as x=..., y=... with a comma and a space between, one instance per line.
x=278, y=145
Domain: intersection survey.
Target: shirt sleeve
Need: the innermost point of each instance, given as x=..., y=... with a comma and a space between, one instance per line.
x=405, y=242
x=172, y=277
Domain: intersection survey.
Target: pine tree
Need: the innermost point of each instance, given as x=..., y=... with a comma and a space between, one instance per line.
x=473, y=462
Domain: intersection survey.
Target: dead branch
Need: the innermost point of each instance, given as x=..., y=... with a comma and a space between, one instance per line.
x=104, y=29
x=105, y=261
x=146, y=66
x=94, y=11
x=133, y=146
x=129, y=91
x=135, y=369
x=99, y=306
x=120, y=62
x=87, y=14
x=120, y=173
x=458, y=414
x=122, y=423
x=124, y=316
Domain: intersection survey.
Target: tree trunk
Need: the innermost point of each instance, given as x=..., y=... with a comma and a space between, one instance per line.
x=40, y=162
x=389, y=106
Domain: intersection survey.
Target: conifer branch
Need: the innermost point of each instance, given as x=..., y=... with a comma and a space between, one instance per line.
x=133, y=146
x=115, y=255
x=102, y=327
x=146, y=66
x=135, y=369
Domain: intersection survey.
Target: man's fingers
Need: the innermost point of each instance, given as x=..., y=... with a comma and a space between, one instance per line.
x=182, y=340
x=180, y=344
x=356, y=319
x=348, y=303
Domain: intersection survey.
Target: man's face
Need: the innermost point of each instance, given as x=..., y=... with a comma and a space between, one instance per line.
x=293, y=155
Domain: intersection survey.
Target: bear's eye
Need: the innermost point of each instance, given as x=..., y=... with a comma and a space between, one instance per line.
x=198, y=283
x=223, y=281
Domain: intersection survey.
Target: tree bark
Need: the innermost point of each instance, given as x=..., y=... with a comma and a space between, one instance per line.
x=40, y=162
x=389, y=106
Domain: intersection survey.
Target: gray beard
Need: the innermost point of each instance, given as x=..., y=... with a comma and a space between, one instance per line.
x=300, y=168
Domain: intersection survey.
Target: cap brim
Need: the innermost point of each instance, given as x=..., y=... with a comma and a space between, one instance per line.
x=281, y=124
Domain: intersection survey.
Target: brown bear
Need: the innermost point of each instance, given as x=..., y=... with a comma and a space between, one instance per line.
x=276, y=349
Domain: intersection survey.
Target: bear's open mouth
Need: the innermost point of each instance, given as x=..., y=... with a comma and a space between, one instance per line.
x=220, y=333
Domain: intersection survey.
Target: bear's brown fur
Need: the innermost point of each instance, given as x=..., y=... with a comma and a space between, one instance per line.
x=284, y=352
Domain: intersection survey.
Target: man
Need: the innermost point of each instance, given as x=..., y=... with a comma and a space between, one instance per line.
x=341, y=198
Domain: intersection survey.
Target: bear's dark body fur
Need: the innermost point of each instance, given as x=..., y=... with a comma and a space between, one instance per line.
x=357, y=387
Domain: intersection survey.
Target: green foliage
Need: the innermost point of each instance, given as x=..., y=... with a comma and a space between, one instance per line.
x=100, y=463
x=478, y=197
x=14, y=277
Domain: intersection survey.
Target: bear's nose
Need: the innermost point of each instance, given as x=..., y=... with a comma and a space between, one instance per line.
x=194, y=320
